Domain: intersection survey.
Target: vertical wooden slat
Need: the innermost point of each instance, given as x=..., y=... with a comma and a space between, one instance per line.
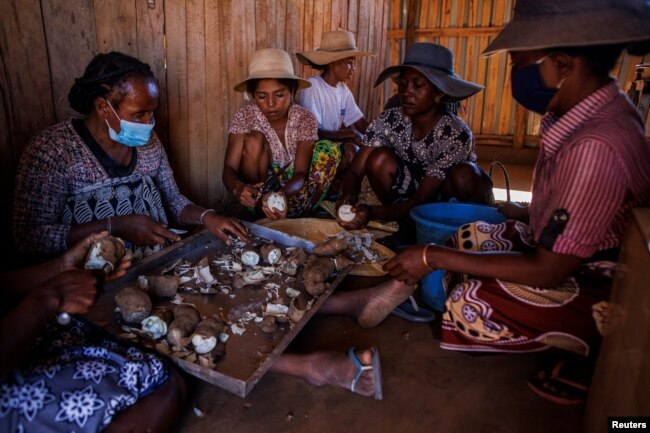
x=411, y=22
x=26, y=104
x=116, y=25
x=483, y=19
x=216, y=106
x=151, y=49
x=262, y=26
x=71, y=44
x=196, y=83
x=177, y=92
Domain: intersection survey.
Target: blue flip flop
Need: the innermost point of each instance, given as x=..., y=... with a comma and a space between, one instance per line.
x=375, y=367
x=407, y=310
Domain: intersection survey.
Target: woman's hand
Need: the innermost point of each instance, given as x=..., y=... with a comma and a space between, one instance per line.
x=362, y=212
x=74, y=257
x=142, y=230
x=409, y=265
x=513, y=210
x=73, y=291
x=248, y=195
x=221, y=226
x=275, y=214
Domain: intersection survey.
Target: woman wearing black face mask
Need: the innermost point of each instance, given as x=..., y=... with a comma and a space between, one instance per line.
x=550, y=278
x=105, y=171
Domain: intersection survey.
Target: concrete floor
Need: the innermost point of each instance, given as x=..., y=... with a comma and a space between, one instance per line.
x=425, y=388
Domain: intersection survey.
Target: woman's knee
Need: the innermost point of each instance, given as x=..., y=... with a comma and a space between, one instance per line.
x=469, y=183
x=254, y=146
x=381, y=160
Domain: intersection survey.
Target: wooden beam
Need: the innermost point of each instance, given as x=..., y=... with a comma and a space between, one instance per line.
x=411, y=17
x=521, y=120
x=450, y=32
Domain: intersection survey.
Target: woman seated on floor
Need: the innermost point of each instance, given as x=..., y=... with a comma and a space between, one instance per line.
x=106, y=171
x=422, y=151
x=273, y=143
x=517, y=287
x=329, y=99
x=75, y=377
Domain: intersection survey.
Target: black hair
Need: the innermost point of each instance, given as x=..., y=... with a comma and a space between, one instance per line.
x=105, y=73
x=251, y=85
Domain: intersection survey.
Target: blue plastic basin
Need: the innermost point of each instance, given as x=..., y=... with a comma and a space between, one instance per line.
x=436, y=223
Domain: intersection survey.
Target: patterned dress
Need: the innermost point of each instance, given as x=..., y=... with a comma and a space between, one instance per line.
x=449, y=143
x=592, y=170
x=301, y=126
x=76, y=379
x=65, y=178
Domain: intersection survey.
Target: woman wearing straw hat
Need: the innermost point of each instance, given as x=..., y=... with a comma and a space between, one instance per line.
x=549, y=282
x=272, y=145
x=339, y=117
x=422, y=151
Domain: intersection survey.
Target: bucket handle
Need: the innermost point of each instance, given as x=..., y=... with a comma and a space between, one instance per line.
x=505, y=176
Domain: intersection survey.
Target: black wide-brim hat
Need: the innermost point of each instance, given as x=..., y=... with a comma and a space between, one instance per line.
x=436, y=63
x=541, y=24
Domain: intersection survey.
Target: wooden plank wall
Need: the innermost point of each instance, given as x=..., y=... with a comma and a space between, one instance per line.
x=198, y=49
x=466, y=27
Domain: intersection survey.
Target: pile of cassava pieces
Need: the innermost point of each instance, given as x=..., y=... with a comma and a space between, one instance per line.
x=256, y=293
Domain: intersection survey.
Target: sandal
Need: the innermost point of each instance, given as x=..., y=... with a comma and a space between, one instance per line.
x=553, y=387
x=375, y=367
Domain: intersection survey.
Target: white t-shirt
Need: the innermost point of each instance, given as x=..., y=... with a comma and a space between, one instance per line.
x=332, y=106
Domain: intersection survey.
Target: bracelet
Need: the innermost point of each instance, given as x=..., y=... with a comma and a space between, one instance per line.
x=204, y=213
x=108, y=226
x=424, y=257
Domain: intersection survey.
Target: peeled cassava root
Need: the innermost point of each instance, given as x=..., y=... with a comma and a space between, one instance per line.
x=275, y=201
x=105, y=254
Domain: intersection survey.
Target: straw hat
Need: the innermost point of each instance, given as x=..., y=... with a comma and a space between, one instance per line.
x=270, y=63
x=334, y=46
x=436, y=63
x=571, y=23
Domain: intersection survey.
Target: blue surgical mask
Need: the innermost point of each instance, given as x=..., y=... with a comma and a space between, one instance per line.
x=131, y=134
x=528, y=87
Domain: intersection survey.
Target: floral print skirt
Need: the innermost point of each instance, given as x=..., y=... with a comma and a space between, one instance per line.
x=76, y=379
x=492, y=315
x=322, y=170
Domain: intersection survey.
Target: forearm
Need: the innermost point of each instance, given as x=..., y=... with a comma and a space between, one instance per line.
x=516, y=267
x=17, y=283
x=230, y=179
x=21, y=326
x=340, y=135
x=295, y=184
x=391, y=212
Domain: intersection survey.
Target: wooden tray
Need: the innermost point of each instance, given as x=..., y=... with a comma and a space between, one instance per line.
x=243, y=365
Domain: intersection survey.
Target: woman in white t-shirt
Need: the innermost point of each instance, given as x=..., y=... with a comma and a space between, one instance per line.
x=330, y=100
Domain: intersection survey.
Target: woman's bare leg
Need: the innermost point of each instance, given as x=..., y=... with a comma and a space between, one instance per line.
x=255, y=159
x=381, y=167
x=369, y=306
x=327, y=368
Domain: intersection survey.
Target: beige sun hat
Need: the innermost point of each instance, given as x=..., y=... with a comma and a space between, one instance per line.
x=271, y=63
x=573, y=23
x=335, y=45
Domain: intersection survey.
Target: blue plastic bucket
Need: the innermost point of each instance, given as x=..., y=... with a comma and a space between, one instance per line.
x=436, y=223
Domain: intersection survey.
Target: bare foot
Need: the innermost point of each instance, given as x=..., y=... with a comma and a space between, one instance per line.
x=334, y=368
x=385, y=297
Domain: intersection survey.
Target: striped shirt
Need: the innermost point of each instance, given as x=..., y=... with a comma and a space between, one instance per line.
x=593, y=168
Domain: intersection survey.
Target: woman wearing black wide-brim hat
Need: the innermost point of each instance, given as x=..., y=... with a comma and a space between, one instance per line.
x=543, y=280
x=419, y=152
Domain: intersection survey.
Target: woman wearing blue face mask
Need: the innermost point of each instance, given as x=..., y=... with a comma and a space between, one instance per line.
x=106, y=171
x=543, y=281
